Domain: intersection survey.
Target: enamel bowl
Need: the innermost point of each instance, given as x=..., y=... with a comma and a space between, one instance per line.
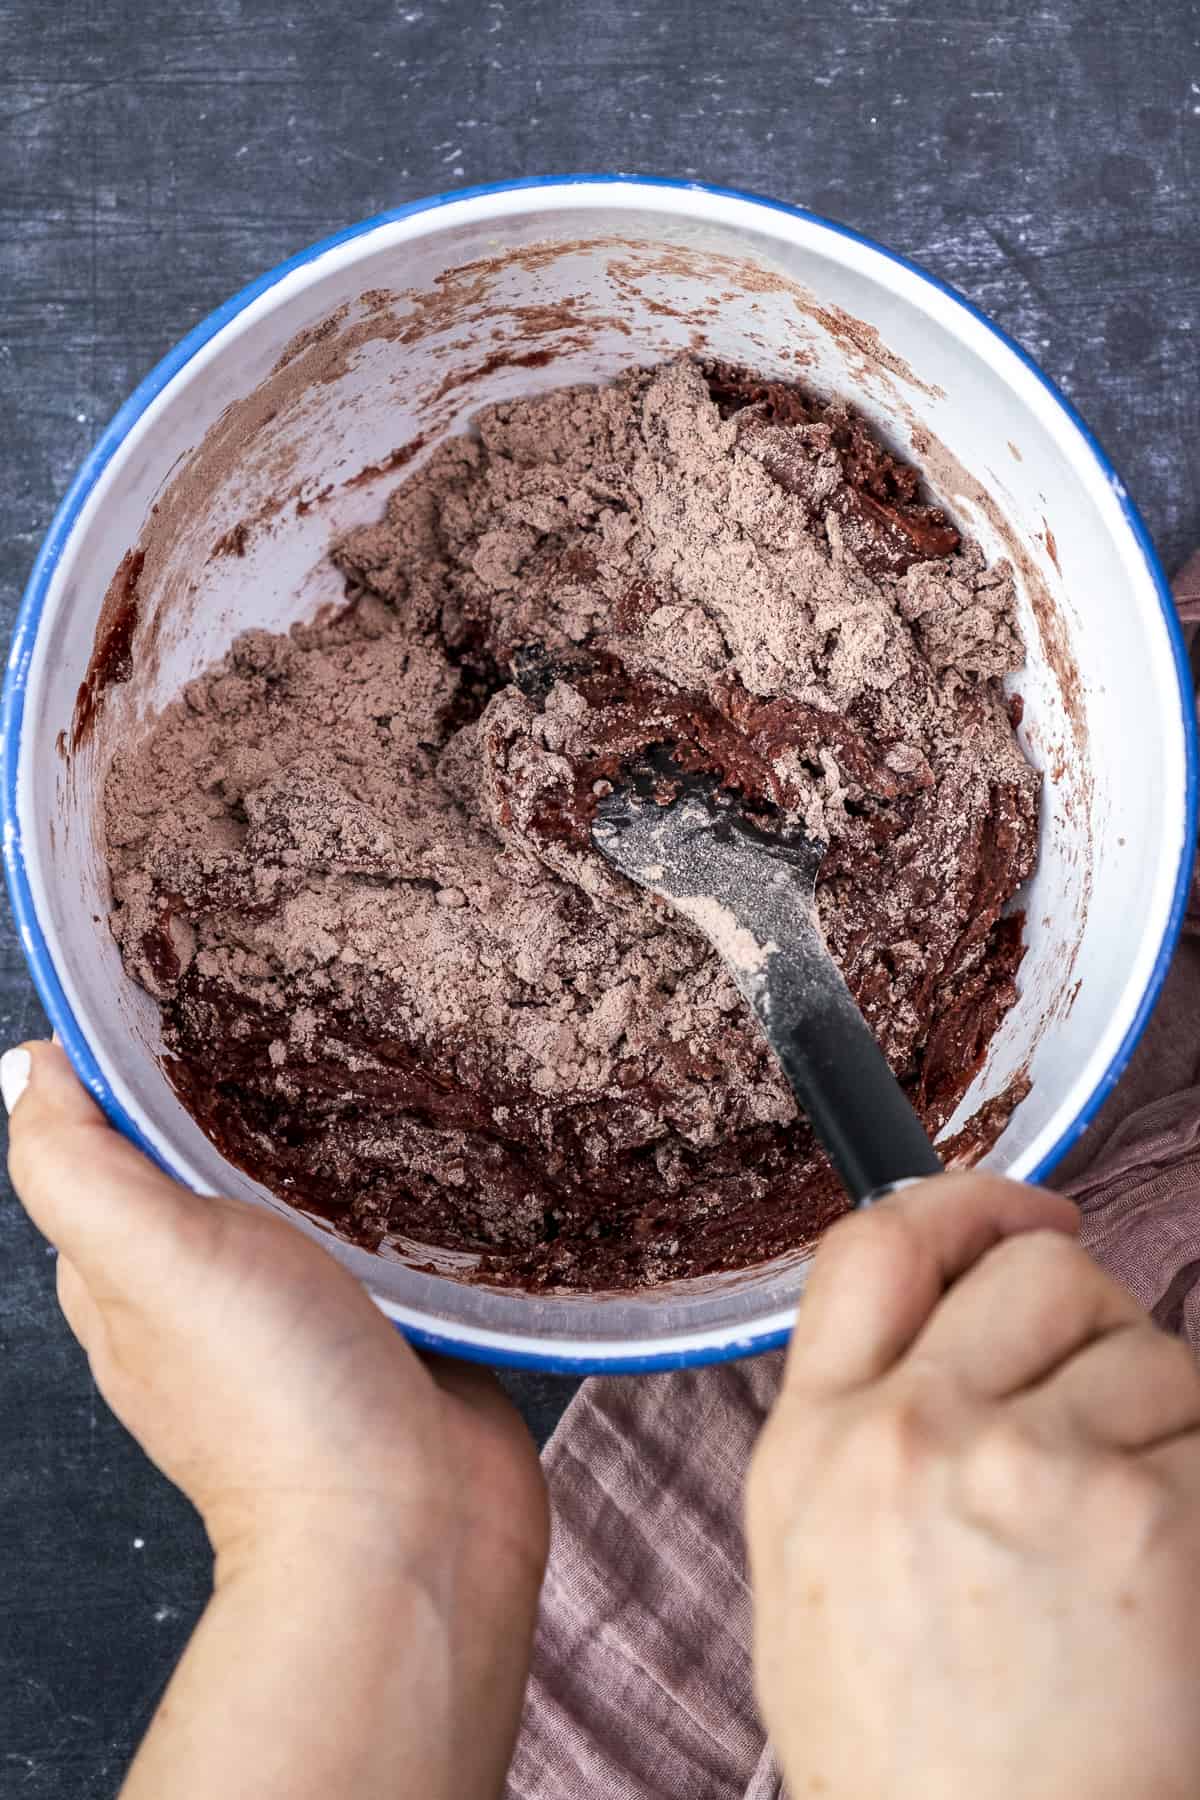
x=283, y=419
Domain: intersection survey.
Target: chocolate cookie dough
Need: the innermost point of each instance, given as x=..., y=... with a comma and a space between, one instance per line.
x=352, y=863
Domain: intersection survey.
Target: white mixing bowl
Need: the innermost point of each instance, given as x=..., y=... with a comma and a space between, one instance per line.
x=397, y=330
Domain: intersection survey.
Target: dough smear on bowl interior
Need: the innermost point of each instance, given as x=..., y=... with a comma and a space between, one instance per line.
x=352, y=863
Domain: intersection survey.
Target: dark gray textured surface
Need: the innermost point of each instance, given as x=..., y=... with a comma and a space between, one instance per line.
x=1044, y=159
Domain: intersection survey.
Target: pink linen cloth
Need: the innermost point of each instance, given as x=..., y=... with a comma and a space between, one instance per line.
x=641, y=1686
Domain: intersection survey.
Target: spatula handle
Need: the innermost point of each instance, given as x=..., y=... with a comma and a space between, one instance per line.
x=841, y=1078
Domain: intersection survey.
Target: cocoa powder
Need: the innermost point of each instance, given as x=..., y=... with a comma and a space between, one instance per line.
x=353, y=865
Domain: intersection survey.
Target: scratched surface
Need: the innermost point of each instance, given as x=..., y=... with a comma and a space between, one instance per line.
x=1045, y=159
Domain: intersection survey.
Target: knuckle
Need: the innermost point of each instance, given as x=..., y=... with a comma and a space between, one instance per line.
x=1174, y=1361
x=223, y=1237
x=894, y=1441
x=1055, y=1272
x=1132, y=1500
x=860, y=1230
x=1008, y=1475
x=190, y=1242
x=863, y=1240
x=843, y=1241
x=191, y=1236
x=1050, y=1254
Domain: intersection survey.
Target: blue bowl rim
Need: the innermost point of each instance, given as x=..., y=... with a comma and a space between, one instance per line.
x=37, y=952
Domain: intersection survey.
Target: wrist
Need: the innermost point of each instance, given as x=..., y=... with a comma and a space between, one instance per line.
x=362, y=1541
x=326, y=1662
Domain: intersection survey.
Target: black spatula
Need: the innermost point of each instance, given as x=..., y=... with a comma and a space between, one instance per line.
x=751, y=892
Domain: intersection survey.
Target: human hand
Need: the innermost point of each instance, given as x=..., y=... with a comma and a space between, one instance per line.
x=261, y=1379
x=974, y=1516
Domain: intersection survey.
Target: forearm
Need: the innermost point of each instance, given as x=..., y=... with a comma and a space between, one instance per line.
x=319, y=1668
x=380, y=1524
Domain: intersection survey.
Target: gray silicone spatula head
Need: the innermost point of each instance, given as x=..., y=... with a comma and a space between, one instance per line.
x=686, y=839
x=751, y=891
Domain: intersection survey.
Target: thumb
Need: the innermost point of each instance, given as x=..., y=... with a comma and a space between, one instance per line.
x=84, y=1186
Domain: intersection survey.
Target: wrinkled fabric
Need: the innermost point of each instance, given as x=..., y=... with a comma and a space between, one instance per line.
x=641, y=1686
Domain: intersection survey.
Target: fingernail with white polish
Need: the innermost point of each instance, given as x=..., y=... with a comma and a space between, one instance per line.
x=14, y=1076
